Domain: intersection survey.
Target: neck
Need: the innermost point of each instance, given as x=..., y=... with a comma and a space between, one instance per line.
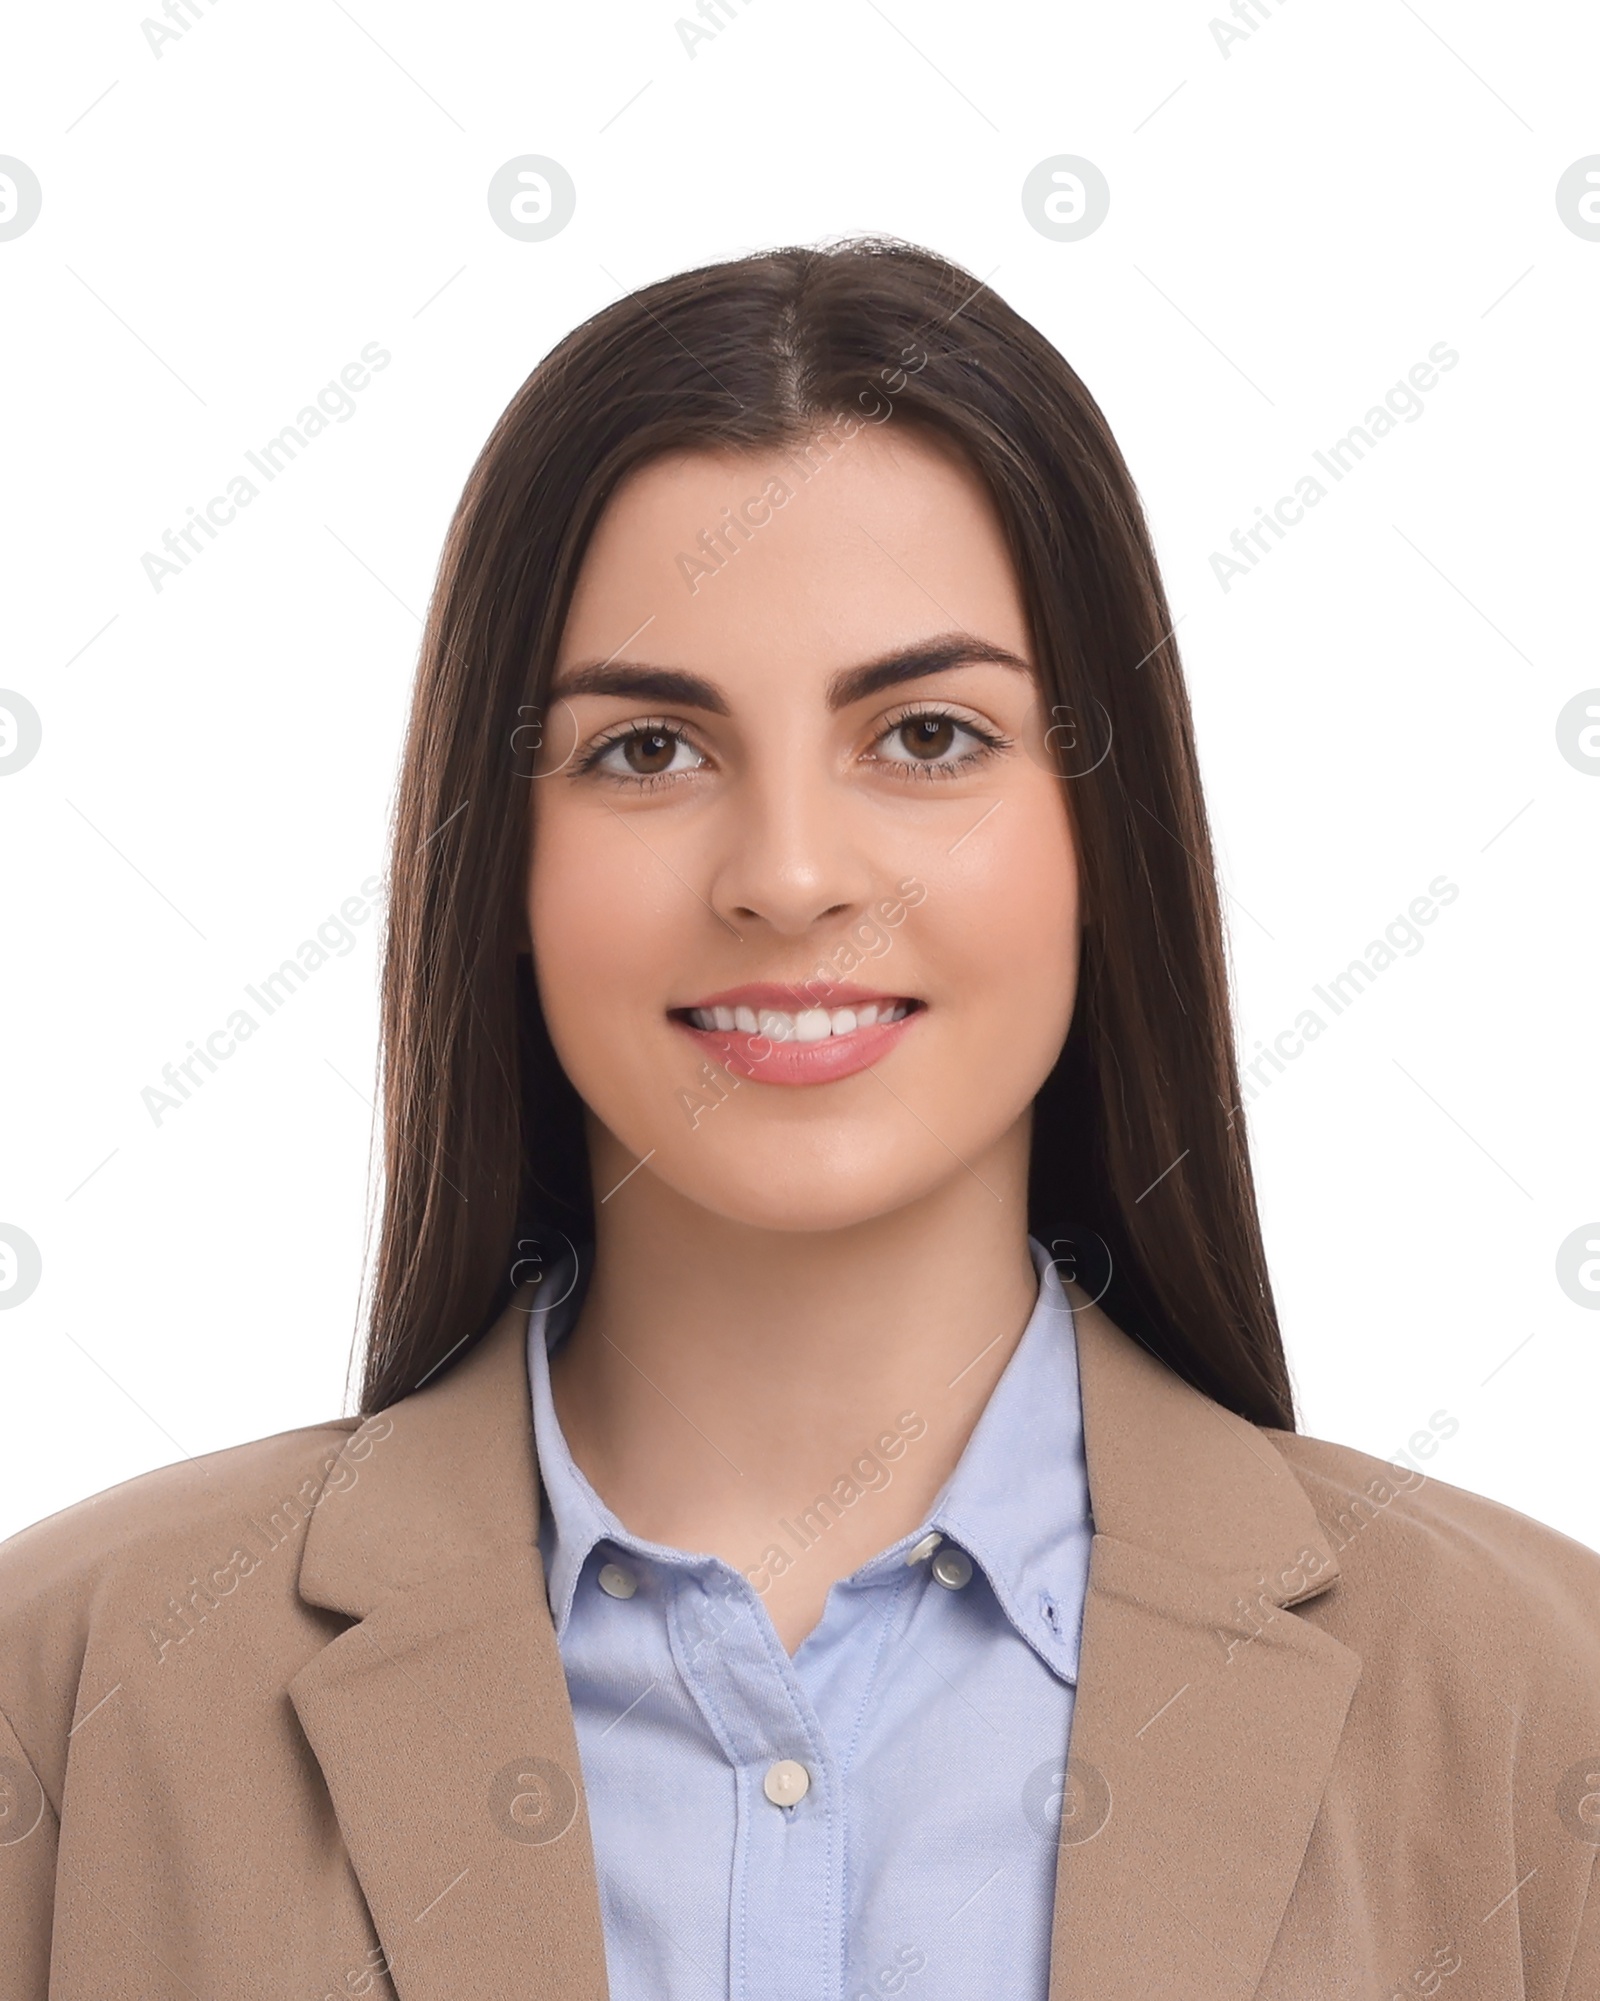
x=721, y=1377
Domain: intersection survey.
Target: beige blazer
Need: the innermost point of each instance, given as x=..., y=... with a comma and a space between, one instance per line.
x=289, y=1721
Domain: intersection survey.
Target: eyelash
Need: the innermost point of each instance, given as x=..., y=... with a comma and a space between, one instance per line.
x=991, y=742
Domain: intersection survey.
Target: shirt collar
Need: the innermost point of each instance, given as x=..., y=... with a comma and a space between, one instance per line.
x=574, y=1518
x=1017, y=1501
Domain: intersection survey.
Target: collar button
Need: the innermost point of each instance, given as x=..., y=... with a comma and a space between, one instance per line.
x=616, y=1582
x=953, y=1568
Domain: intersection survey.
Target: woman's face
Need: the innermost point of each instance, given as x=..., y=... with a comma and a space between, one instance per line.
x=803, y=901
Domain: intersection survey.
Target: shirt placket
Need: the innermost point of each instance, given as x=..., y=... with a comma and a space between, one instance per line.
x=786, y=1915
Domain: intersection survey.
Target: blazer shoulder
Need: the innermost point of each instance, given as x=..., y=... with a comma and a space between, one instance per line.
x=95, y=1597
x=1454, y=1559
x=60, y=1562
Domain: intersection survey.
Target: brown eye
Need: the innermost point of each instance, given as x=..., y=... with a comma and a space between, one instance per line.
x=643, y=753
x=649, y=752
x=927, y=736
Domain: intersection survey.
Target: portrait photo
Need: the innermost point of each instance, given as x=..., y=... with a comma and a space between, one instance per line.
x=801, y=814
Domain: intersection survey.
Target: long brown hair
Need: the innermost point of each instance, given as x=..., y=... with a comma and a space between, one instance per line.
x=1140, y=1177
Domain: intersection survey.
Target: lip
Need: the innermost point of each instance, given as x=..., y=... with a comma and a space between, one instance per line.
x=767, y=1062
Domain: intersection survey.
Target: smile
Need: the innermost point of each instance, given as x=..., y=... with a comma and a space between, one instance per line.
x=749, y=1033
x=812, y=1024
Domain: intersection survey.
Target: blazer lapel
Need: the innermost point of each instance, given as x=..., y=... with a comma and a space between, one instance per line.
x=441, y=1719
x=1207, y=1715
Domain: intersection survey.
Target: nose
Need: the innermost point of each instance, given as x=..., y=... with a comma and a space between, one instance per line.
x=793, y=855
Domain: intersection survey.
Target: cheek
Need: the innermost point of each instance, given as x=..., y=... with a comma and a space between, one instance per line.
x=600, y=917
x=1014, y=910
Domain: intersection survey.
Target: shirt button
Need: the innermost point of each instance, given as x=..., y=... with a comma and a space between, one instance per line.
x=919, y=1552
x=786, y=1782
x=616, y=1582
x=953, y=1568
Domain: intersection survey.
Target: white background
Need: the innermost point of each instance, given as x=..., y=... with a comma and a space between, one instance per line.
x=1293, y=224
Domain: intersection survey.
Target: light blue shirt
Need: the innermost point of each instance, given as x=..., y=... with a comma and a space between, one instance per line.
x=930, y=1717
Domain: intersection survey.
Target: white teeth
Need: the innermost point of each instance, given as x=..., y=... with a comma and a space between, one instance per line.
x=811, y=1024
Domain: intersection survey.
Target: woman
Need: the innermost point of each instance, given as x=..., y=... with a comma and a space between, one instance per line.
x=822, y=1351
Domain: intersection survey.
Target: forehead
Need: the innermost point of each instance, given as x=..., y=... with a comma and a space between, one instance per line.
x=784, y=559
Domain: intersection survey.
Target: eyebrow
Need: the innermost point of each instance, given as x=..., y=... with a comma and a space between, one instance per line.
x=850, y=684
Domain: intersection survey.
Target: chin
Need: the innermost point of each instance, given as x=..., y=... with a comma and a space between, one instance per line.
x=807, y=1216
x=806, y=1195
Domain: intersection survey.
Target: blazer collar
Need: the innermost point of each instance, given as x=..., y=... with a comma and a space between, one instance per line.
x=441, y=1719
x=1206, y=1721
x=1207, y=1714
